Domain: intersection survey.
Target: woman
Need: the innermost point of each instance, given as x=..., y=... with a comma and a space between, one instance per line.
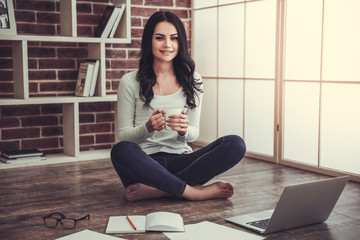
x=154, y=162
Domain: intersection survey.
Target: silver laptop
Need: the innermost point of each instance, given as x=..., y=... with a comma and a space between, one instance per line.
x=299, y=205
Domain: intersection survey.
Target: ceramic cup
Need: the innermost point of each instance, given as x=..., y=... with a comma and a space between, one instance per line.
x=169, y=112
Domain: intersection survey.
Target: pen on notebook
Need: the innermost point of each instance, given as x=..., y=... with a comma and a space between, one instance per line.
x=132, y=224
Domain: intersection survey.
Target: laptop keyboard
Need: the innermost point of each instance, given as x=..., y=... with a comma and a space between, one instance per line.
x=260, y=224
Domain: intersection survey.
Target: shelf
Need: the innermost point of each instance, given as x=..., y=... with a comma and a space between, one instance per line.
x=62, y=158
x=37, y=38
x=56, y=100
x=96, y=48
x=68, y=26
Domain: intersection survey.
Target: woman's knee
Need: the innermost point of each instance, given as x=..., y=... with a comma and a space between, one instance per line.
x=237, y=144
x=121, y=150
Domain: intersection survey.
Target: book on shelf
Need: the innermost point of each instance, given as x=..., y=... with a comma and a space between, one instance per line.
x=104, y=20
x=22, y=159
x=94, y=76
x=22, y=153
x=85, y=77
x=117, y=21
x=109, y=22
x=156, y=221
x=22, y=156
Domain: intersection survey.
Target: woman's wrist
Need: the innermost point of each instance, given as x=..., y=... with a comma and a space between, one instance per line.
x=149, y=127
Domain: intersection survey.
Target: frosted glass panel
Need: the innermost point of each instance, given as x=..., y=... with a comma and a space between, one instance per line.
x=204, y=3
x=231, y=41
x=260, y=39
x=205, y=41
x=341, y=56
x=231, y=107
x=340, y=127
x=303, y=39
x=208, y=122
x=259, y=116
x=301, y=122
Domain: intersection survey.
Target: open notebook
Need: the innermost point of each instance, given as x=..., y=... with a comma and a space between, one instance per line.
x=156, y=221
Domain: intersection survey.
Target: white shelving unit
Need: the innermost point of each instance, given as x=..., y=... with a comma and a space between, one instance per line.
x=96, y=49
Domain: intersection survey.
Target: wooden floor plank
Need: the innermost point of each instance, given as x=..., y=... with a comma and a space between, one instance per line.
x=76, y=189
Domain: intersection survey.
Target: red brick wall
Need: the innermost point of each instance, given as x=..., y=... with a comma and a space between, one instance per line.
x=53, y=72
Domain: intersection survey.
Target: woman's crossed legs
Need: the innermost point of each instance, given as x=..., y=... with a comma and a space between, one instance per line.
x=163, y=174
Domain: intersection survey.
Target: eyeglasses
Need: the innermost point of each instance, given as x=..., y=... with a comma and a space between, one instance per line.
x=52, y=220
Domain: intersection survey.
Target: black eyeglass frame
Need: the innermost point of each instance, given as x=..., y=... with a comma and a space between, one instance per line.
x=62, y=218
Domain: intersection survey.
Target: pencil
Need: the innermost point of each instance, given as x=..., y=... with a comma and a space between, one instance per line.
x=132, y=224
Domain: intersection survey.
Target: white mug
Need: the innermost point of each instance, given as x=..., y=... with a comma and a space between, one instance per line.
x=169, y=112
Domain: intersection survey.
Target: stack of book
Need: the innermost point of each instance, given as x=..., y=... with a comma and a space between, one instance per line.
x=22, y=156
x=87, y=78
x=109, y=22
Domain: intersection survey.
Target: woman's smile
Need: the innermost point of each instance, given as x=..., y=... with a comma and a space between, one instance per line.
x=165, y=44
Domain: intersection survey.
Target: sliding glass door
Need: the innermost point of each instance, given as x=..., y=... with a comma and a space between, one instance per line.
x=284, y=75
x=235, y=52
x=321, y=82
x=301, y=80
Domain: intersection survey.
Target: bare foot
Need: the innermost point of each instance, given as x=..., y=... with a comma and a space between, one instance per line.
x=139, y=191
x=212, y=191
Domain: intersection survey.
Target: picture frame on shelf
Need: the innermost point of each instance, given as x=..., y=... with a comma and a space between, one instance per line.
x=7, y=18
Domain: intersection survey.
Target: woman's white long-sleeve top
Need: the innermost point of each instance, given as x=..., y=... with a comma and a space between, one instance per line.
x=132, y=118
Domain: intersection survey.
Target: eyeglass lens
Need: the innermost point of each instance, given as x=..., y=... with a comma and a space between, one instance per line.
x=65, y=222
x=68, y=223
x=51, y=222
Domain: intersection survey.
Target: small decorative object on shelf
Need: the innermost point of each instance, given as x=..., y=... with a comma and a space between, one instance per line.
x=7, y=17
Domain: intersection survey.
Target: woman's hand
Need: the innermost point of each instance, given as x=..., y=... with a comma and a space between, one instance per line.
x=179, y=123
x=156, y=121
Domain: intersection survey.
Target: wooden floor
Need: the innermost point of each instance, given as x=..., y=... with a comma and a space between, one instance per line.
x=92, y=187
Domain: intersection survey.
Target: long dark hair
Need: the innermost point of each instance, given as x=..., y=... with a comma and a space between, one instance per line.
x=184, y=66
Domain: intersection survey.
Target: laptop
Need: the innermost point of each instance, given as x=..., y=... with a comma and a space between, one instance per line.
x=299, y=205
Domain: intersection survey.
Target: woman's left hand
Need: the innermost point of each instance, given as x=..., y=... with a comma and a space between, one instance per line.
x=179, y=123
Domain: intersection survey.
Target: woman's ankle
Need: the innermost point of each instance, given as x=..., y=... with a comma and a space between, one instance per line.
x=139, y=191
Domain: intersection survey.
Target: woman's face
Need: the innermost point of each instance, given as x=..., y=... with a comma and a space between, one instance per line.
x=165, y=44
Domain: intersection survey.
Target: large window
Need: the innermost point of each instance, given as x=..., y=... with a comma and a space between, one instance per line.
x=284, y=75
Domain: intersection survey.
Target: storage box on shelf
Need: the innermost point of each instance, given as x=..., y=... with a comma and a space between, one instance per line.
x=96, y=50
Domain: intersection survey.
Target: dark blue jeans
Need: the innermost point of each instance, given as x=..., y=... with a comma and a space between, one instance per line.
x=171, y=172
